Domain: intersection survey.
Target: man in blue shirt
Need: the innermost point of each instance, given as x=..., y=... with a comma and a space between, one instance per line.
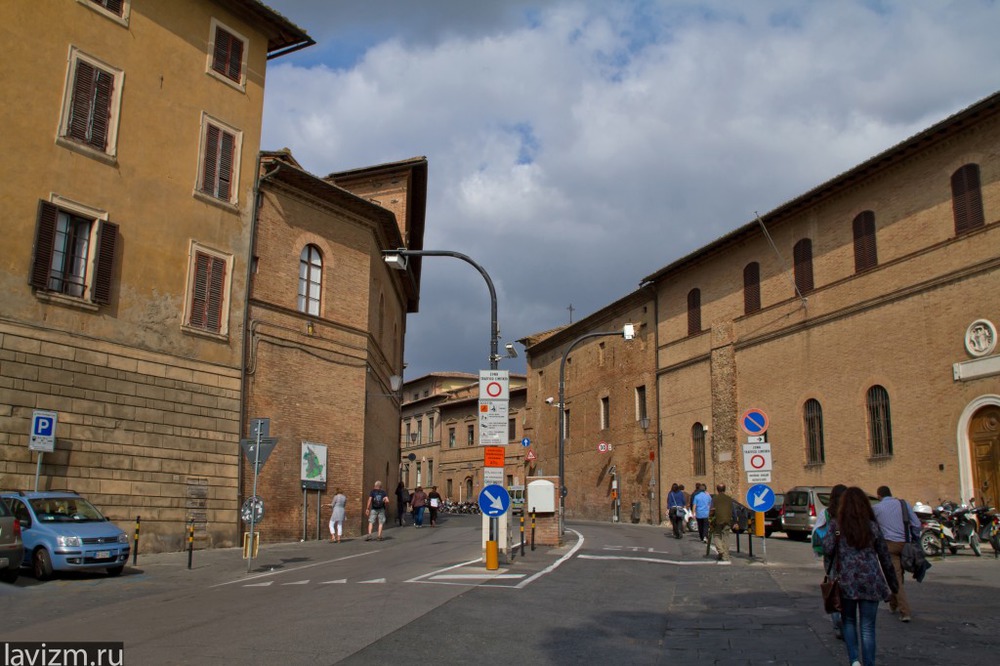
x=701, y=504
x=889, y=514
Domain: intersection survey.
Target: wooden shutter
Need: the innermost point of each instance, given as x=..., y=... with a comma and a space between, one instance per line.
x=694, y=311
x=107, y=240
x=104, y=84
x=207, y=292
x=90, y=108
x=227, y=58
x=751, y=288
x=803, y=266
x=83, y=94
x=226, y=150
x=967, y=199
x=113, y=6
x=211, y=155
x=865, y=253
x=45, y=238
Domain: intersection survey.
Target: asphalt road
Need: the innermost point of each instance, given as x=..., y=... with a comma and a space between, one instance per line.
x=614, y=594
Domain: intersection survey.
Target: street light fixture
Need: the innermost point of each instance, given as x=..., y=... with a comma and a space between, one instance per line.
x=628, y=332
x=397, y=259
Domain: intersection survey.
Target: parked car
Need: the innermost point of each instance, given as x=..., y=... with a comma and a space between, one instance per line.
x=62, y=531
x=772, y=517
x=11, y=546
x=800, y=507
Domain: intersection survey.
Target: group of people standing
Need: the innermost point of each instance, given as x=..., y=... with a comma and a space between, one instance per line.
x=377, y=509
x=861, y=546
x=714, y=514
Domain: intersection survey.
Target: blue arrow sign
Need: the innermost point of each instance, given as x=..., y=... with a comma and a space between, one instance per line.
x=494, y=500
x=760, y=497
x=525, y=442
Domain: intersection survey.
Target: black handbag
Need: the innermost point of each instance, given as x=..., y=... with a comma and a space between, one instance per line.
x=830, y=587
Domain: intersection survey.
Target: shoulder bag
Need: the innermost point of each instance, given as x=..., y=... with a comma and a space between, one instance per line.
x=830, y=587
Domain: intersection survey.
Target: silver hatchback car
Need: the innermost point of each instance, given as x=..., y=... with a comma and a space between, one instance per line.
x=800, y=507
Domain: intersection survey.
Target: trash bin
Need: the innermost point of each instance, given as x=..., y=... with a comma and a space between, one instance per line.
x=636, y=511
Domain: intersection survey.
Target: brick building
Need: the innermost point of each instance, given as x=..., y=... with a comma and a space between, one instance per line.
x=327, y=320
x=860, y=317
x=136, y=127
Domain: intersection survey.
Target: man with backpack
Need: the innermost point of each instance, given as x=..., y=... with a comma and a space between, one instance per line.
x=899, y=524
x=375, y=510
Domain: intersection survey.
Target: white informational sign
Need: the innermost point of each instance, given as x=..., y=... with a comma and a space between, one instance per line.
x=494, y=401
x=493, y=476
x=757, y=457
x=759, y=477
x=313, y=462
x=43, y=431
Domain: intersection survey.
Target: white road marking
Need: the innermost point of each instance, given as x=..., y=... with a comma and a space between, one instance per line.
x=680, y=563
x=264, y=584
x=373, y=580
x=330, y=582
x=305, y=566
x=298, y=582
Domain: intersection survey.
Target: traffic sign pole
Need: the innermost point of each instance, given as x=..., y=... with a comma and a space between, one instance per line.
x=253, y=514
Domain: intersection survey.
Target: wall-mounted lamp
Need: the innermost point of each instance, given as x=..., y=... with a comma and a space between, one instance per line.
x=310, y=329
x=395, y=382
x=395, y=261
x=644, y=423
x=511, y=352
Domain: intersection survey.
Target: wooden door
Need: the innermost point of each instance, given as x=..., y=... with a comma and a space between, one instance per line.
x=984, y=435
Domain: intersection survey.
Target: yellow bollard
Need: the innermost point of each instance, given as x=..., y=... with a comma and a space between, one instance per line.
x=492, y=555
x=758, y=523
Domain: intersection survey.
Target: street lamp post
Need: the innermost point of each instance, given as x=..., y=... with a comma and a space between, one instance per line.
x=397, y=259
x=628, y=332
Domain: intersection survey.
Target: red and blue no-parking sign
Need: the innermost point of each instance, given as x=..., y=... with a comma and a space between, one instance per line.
x=754, y=422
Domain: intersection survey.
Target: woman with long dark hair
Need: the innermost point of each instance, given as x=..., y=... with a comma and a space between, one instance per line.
x=860, y=562
x=819, y=531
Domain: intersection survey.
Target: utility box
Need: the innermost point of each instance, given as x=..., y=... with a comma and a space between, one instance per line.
x=541, y=497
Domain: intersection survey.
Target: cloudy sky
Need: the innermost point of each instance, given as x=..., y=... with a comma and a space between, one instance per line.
x=575, y=147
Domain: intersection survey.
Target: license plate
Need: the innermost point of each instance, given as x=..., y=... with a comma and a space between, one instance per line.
x=4, y=563
x=102, y=555
x=789, y=514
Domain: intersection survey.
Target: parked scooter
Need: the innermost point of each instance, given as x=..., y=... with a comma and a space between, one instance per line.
x=947, y=526
x=989, y=525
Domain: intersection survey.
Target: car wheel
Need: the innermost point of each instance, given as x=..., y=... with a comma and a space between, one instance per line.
x=9, y=575
x=41, y=562
x=116, y=571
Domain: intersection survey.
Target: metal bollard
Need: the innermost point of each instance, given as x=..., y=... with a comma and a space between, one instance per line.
x=135, y=543
x=532, y=529
x=190, y=543
x=522, y=533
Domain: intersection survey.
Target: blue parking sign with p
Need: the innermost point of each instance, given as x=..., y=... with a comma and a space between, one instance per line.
x=44, y=425
x=43, y=431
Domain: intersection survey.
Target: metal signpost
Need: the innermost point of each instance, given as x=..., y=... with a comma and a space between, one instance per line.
x=757, y=465
x=257, y=448
x=43, y=436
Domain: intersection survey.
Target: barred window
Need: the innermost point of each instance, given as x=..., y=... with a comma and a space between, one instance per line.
x=879, y=422
x=751, y=287
x=967, y=199
x=814, y=432
x=694, y=311
x=865, y=253
x=698, y=448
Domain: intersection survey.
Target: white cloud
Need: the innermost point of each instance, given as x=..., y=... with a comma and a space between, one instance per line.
x=575, y=147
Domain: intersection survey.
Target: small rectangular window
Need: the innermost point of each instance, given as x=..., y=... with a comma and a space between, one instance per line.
x=470, y=435
x=227, y=52
x=511, y=430
x=640, y=403
x=218, y=173
x=91, y=106
x=605, y=413
x=208, y=291
x=74, y=252
x=451, y=438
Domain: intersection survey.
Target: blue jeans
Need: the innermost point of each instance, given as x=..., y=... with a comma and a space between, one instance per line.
x=868, y=610
x=418, y=516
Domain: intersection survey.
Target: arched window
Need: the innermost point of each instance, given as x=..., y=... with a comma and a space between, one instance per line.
x=803, y=254
x=751, y=287
x=865, y=253
x=310, y=279
x=879, y=422
x=813, y=413
x=694, y=311
x=967, y=199
x=698, y=448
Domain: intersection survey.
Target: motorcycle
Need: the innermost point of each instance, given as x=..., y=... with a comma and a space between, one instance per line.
x=947, y=526
x=989, y=525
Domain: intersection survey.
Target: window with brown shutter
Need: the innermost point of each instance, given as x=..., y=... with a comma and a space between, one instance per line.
x=227, y=57
x=90, y=106
x=813, y=414
x=698, y=457
x=66, y=243
x=218, y=160
x=865, y=254
x=967, y=199
x=803, y=266
x=694, y=311
x=751, y=287
x=207, y=292
x=113, y=6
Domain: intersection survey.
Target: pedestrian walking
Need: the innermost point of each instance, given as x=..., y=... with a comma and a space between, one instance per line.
x=375, y=510
x=339, y=505
x=675, y=509
x=722, y=520
x=701, y=505
x=418, y=502
x=402, y=503
x=819, y=531
x=433, y=503
x=891, y=514
x=861, y=564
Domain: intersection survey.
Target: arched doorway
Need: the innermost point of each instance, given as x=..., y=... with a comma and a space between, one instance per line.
x=984, y=454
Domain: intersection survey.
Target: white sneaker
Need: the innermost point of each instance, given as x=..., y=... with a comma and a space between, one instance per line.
x=855, y=663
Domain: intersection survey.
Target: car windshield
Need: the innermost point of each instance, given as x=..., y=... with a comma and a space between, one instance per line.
x=797, y=499
x=65, y=510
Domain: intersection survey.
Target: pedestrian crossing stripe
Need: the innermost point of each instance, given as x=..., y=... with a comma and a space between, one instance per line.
x=298, y=582
x=330, y=582
x=373, y=580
